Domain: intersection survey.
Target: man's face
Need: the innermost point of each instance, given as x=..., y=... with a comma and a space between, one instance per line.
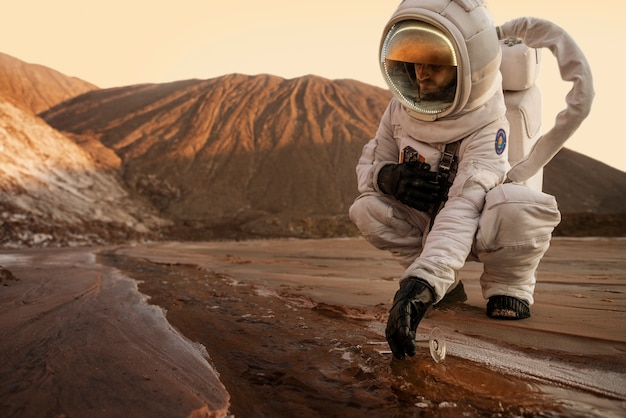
x=436, y=82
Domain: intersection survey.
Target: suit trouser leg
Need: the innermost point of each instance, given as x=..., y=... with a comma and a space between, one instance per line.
x=389, y=225
x=513, y=235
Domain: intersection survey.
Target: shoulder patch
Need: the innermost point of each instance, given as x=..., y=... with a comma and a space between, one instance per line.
x=500, y=141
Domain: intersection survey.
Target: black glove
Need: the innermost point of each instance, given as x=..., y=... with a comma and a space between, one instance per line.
x=411, y=183
x=410, y=304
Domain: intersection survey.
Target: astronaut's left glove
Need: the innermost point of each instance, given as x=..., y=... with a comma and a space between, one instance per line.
x=410, y=304
x=411, y=183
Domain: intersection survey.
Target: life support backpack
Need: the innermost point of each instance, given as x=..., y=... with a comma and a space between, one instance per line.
x=521, y=42
x=520, y=69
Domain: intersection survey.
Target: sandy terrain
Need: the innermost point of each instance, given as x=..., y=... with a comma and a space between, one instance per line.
x=294, y=328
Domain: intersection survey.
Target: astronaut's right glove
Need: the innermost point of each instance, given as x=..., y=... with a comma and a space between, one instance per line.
x=411, y=183
x=410, y=304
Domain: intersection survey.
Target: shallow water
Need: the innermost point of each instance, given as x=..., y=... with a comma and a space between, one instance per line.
x=78, y=340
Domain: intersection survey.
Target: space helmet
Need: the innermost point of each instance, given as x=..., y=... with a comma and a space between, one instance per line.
x=419, y=64
x=457, y=39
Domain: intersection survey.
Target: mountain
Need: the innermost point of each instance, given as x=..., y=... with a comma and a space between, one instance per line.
x=225, y=158
x=36, y=87
x=258, y=151
x=51, y=191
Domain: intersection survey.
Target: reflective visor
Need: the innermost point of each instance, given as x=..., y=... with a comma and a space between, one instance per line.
x=420, y=66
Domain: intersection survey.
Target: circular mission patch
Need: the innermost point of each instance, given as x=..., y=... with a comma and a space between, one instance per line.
x=500, y=141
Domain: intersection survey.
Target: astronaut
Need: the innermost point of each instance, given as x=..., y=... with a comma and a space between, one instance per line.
x=433, y=181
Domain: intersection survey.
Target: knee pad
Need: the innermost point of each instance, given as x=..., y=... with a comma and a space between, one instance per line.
x=386, y=223
x=373, y=214
x=516, y=216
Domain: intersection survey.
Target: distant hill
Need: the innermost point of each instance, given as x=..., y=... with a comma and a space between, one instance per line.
x=248, y=156
x=591, y=195
x=36, y=87
x=584, y=185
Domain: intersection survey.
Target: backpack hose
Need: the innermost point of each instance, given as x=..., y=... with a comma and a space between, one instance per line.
x=573, y=66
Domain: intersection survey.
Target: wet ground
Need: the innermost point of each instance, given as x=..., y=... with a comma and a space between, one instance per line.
x=281, y=354
x=294, y=328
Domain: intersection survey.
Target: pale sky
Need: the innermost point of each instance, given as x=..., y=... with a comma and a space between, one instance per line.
x=123, y=42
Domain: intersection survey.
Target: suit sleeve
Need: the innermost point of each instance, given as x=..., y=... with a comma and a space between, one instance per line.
x=377, y=152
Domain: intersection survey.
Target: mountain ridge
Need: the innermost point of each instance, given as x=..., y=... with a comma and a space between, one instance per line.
x=239, y=133
x=242, y=156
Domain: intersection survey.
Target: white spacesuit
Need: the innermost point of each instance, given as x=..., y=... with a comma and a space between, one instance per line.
x=441, y=60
